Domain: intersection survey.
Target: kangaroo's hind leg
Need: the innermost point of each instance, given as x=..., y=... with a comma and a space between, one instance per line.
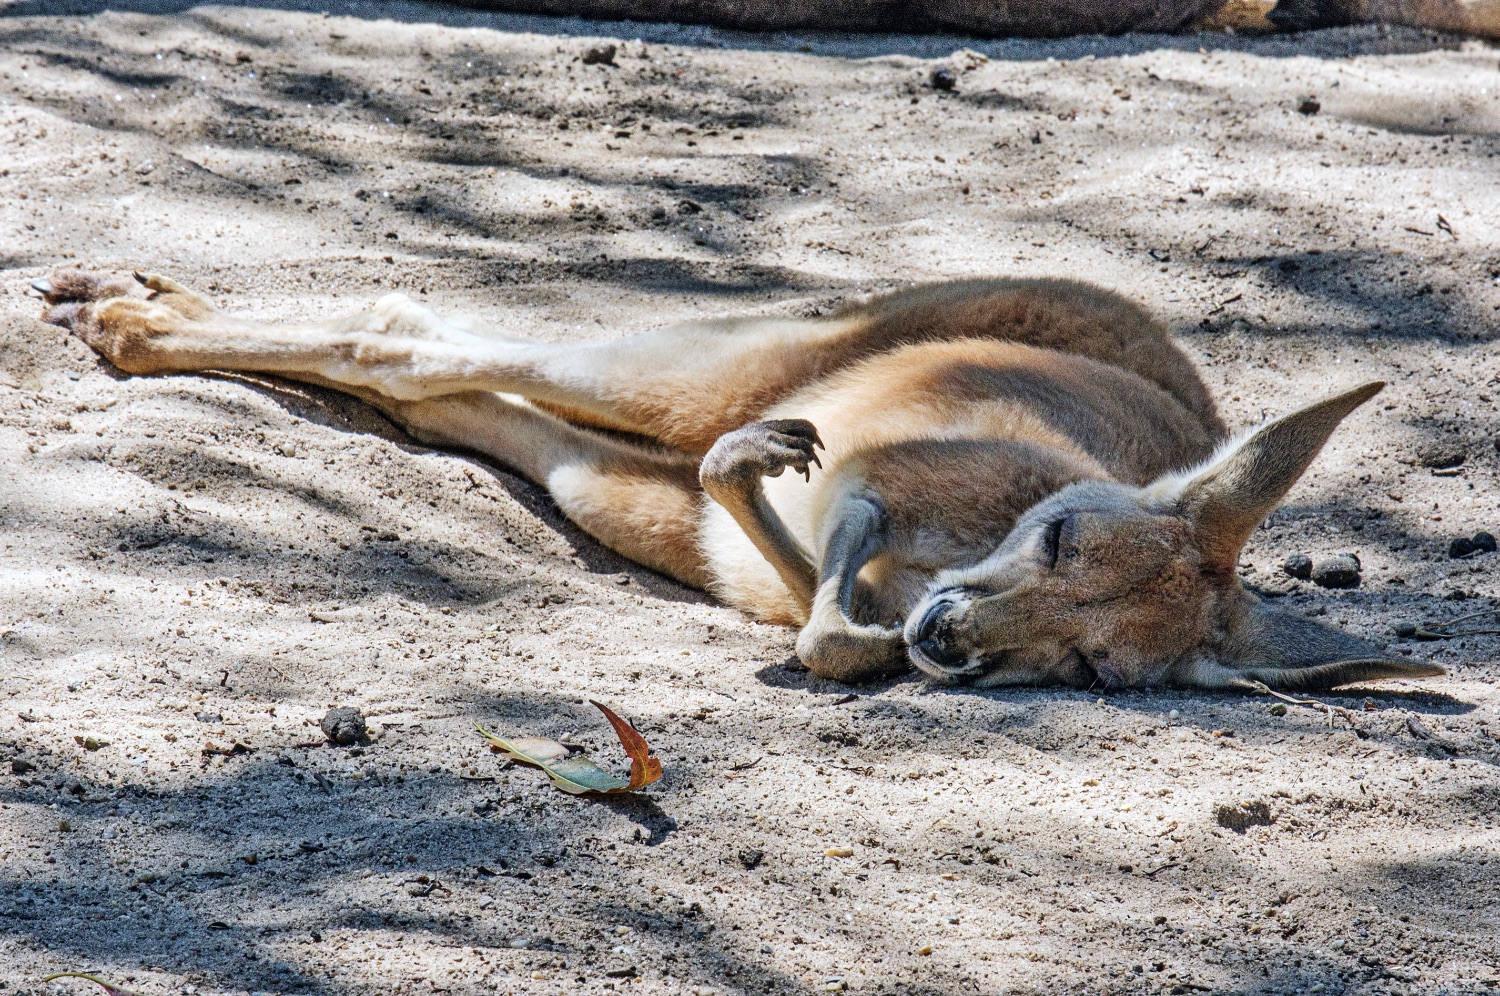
x=640, y=501
x=685, y=385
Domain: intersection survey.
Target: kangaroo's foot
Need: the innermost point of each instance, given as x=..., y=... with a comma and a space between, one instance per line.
x=122, y=320
x=731, y=473
x=762, y=449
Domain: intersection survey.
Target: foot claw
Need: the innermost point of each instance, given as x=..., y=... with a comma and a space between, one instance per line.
x=763, y=449
x=113, y=316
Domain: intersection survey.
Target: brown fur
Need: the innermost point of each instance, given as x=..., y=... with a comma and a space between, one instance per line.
x=1476, y=17
x=1009, y=481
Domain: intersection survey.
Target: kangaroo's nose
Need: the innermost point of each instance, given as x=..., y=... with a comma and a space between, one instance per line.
x=934, y=635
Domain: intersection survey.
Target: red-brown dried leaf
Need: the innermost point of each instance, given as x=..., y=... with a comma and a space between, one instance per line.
x=644, y=769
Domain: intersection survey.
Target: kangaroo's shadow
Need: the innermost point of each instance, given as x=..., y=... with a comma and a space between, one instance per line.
x=336, y=410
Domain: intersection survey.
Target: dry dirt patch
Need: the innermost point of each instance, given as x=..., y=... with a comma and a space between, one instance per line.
x=188, y=564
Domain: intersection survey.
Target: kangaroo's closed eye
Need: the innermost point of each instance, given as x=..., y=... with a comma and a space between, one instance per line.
x=1052, y=540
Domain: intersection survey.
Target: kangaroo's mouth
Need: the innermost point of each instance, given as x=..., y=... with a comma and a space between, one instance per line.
x=967, y=671
x=937, y=648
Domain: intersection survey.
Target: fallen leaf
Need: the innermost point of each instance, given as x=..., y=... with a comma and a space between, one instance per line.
x=112, y=990
x=89, y=743
x=575, y=774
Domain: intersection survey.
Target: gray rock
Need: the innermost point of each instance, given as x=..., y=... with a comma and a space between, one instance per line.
x=1240, y=817
x=1442, y=455
x=942, y=78
x=1341, y=571
x=345, y=726
x=1463, y=546
x=1298, y=565
x=600, y=55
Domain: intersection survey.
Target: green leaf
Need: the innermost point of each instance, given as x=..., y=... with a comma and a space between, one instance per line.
x=576, y=774
x=573, y=773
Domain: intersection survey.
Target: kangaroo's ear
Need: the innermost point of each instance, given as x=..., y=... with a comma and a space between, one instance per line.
x=1232, y=494
x=1292, y=654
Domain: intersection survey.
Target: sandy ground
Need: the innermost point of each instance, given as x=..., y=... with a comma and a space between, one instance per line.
x=194, y=568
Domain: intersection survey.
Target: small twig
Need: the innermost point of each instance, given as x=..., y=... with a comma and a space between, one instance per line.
x=1473, y=615
x=1153, y=873
x=1423, y=633
x=1441, y=630
x=1327, y=709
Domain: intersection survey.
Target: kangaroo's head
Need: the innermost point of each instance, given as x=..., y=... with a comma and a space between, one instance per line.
x=1110, y=586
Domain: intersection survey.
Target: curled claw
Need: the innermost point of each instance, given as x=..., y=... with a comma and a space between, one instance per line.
x=43, y=286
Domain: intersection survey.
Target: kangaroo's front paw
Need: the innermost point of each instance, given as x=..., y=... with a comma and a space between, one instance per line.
x=122, y=320
x=763, y=449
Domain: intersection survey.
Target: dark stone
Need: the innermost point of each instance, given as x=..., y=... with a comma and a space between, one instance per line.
x=942, y=78
x=751, y=858
x=1240, y=817
x=1442, y=456
x=600, y=55
x=21, y=766
x=1298, y=565
x=1461, y=547
x=1341, y=571
x=1484, y=542
x=1309, y=105
x=345, y=726
x=1405, y=629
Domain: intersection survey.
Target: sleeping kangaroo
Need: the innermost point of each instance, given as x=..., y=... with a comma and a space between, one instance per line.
x=1021, y=481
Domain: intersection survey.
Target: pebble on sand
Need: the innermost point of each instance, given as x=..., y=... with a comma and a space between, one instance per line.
x=1442, y=455
x=1341, y=571
x=1241, y=816
x=600, y=55
x=1463, y=546
x=345, y=726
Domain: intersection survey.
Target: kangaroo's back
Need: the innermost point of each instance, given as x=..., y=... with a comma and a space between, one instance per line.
x=1062, y=315
x=694, y=383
